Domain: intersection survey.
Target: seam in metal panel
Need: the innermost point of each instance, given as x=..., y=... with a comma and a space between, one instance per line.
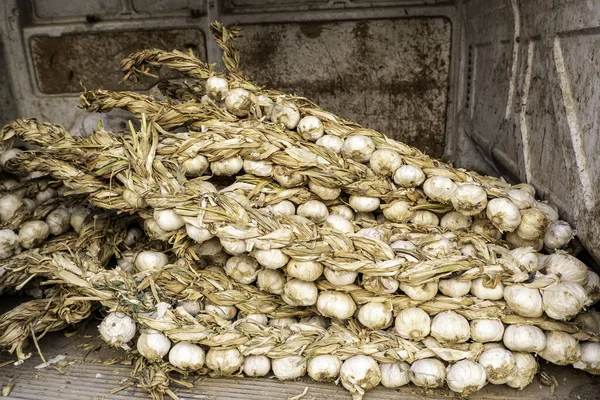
x=515, y=59
x=523, y=121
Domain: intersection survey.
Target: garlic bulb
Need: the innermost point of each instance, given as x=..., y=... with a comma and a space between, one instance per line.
x=394, y=375
x=589, y=321
x=517, y=241
x=288, y=179
x=133, y=235
x=151, y=260
x=335, y=304
x=428, y=373
x=359, y=374
x=466, y=377
x=33, y=233
x=324, y=368
x=358, y=148
x=324, y=192
x=192, y=307
x=567, y=268
x=9, y=242
x=526, y=367
x=385, y=162
x=525, y=338
x=132, y=198
x=409, y=176
x=454, y=287
x=590, y=358
x=272, y=259
x=450, y=327
x=561, y=348
x=284, y=207
x=8, y=155
x=194, y=167
x=376, y=316
x=504, y=214
x=480, y=289
x=365, y=216
x=524, y=301
x=343, y=211
x=153, y=345
x=314, y=210
x=227, y=166
x=558, y=235
x=271, y=281
x=199, y=235
x=45, y=195
x=533, y=224
x=257, y=365
x=339, y=223
x=225, y=312
x=224, y=361
x=310, y=128
x=499, y=365
x=117, y=329
x=340, y=278
x=258, y=318
x=398, y=211
x=168, y=220
x=216, y=88
x=316, y=320
x=234, y=247
x=521, y=198
x=9, y=205
x=126, y=261
x=439, y=188
x=469, y=199
x=290, y=367
x=331, y=142
x=29, y=204
x=363, y=204
x=282, y=322
x=304, y=270
x=78, y=215
x=484, y=227
x=285, y=113
x=562, y=301
x=455, y=221
x=210, y=247
x=258, y=168
x=300, y=293
x=423, y=292
x=242, y=269
x=373, y=233
x=187, y=356
x=550, y=211
x=380, y=284
x=425, y=218
x=525, y=257
x=238, y=102
x=403, y=245
x=486, y=330
x=413, y=324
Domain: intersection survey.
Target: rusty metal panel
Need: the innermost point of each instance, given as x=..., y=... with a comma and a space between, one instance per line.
x=390, y=75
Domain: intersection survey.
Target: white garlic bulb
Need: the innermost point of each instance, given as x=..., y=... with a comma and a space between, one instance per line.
x=409, y=176
x=59, y=221
x=257, y=365
x=316, y=320
x=394, y=375
x=225, y=312
x=192, y=307
x=340, y=223
x=525, y=301
x=340, y=278
x=558, y=235
x=33, y=233
x=487, y=330
x=398, y=211
x=9, y=205
x=373, y=233
x=385, y=162
x=310, y=128
x=358, y=148
x=151, y=260
x=439, y=188
x=454, y=287
x=258, y=168
x=413, y=324
x=526, y=367
x=285, y=113
x=242, y=269
x=561, y=348
x=272, y=259
x=288, y=179
x=450, y=327
x=466, y=377
x=324, y=192
x=359, y=374
x=282, y=322
x=425, y=218
x=455, y=221
x=284, y=207
x=304, y=270
x=199, y=235
x=423, y=292
x=499, y=365
x=153, y=345
x=9, y=242
x=484, y=227
x=335, y=304
x=117, y=329
x=363, y=204
x=566, y=267
x=469, y=199
x=168, y=220
x=504, y=214
x=562, y=301
x=289, y=367
x=195, y=166
x=324, y=368
x=522, y=198
x=238, y=102
x=590, y=358
x=533, y=224
x=589, y=321
x=300, y=293
x=227, y=166
x=428, y=373
x=549, y=210
x=314, y=210
x=343, y=211
x=211, y=247
x=525, y=338
x=525, y=257
x=217, y=88
x=376, y=316
x=270, y=280
x=187, y=356
x=331, y=142
x=224, y=361
x=481, y=288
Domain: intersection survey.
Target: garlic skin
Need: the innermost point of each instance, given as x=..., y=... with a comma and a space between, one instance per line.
x=558, y=235
x=363, y=204
x=224, y=361
x=550, y=211
x=304, y=270
x=504, y=214
x=517, y=241
x=481, y=291
x=9, y=242
x=238, y=102
x=316, y=320
x=225, y=312
x=365, y=216
x=340, y=278
x=359, y=374
x=290, y=367
x=153, y=345
x=590, y=358
x=284, y=207
x=324, y=192
x=425, y=218
x=44, y=196
x=561, y=348
x=339, y=223
x=454, y=287
x=533, y=224
x=282, y=322
x=286, y=113
x=117, y=329
x=33, y=233
x=589, y=321
x=192, y=307
x=216, y=88
x=195, y=167
x=324, y=368
x=409, y=176
x=271, y=281
x=359, y=148
x=450, y=327
x=466, y=377
x=487, y=330
x=567, y=268
x=300, y=293
x=455, y=221
x=526, y=367
x=428, y=373
x=372, y=233
x=199, y=235
x=522, y=198
x=413, y=324
x=525, y=257
x=525, y=338
x=439, y=189
x=78, y=215
x=499, y=365
x=272, y=259
x=484, y=227
x=376, y=316
x=258, y=168
x=314, y=210
x=525, y=301
x=423, y=292
x=234, y=247
x=335, y=304
x=385, y=162
x=562, y=301
x=257, y=365
x=343, y=211
x=9, y=205
x=310, y=128
x=469, y=199
x=242, y=269
x=394, y=375
x=29, y=205
x=380, y=284
x=331, y=142
x=210, y=247
x=227, y=166
x=150, y=260
x=168, y=220
x=398, y=211
x=187, y=356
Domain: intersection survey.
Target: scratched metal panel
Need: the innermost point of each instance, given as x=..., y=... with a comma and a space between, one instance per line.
x=389, y=75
